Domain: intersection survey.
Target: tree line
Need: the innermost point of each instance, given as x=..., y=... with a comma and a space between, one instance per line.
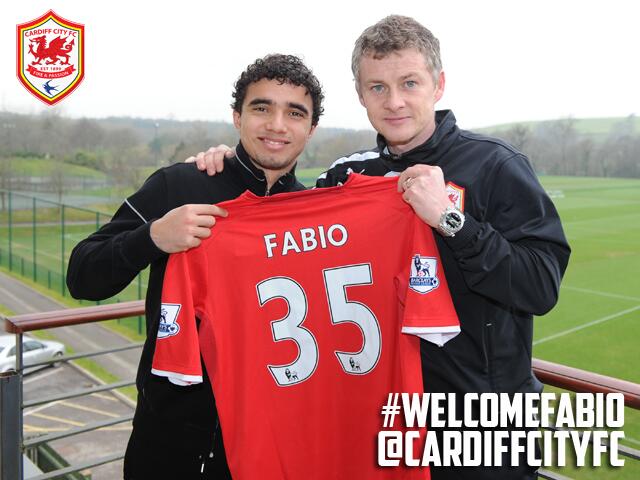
x=126, y=149
x=559, y=147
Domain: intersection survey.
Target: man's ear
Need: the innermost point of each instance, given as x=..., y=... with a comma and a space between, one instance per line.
x=440, y=87
x=312, y=131
x=359, y=94
x=236, y=119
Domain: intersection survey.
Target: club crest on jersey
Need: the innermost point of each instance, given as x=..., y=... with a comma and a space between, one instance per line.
x=50, y=56
x=423, y=276
x=456, y=195
x=168, y=320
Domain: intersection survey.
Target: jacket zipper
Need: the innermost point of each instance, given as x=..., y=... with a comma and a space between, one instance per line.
x=213, y=446
x=489, y=353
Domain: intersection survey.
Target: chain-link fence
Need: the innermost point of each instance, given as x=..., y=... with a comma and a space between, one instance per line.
x=38, y=235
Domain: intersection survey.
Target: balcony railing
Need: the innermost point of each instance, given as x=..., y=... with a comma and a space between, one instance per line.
x=13, y=444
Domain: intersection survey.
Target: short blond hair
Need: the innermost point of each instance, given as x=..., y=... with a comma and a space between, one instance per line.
x=394, y=33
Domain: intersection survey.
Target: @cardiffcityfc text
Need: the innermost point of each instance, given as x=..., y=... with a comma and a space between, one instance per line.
x=501, y=429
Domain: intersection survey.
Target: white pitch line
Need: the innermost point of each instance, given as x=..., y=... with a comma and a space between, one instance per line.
x=602, y=294
x=586, y=325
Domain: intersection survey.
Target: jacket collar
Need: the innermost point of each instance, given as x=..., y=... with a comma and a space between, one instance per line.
x=430, y=152
x=254, y=179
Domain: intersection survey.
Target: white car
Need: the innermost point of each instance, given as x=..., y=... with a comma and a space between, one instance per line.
x=33, y=351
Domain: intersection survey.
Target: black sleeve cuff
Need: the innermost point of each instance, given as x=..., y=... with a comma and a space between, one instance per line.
x=139, y=248
x=467, y=234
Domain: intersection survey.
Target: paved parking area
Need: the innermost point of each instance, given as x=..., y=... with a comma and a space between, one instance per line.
x=67, y=414
x=63, y=415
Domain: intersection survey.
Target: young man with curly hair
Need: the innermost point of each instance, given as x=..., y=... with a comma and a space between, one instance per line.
x=276, y=108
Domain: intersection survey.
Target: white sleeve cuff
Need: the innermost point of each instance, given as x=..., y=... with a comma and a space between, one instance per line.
x=178, y=378
x=436, y=335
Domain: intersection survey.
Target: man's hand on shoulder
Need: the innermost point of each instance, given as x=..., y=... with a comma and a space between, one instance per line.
x=213, y=159
x=424, y=189
x=185, y=227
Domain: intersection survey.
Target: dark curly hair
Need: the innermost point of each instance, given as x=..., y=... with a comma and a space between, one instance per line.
x=284, y=69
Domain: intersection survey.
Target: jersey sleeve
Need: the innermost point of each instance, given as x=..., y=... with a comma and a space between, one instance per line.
x=428, y=309
x=177, y=353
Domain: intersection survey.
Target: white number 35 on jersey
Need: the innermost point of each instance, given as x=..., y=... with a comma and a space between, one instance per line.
x=341, y=309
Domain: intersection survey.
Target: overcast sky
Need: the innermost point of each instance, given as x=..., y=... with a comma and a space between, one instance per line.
x=504, y=60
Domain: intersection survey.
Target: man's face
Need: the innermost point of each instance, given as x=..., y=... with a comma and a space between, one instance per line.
x=275, y=123
x=399, y=94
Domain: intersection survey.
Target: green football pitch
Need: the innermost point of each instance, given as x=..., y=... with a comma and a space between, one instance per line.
x=596, y=324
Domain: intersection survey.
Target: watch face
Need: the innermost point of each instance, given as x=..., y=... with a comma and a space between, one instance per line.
x=452, y=219
x=451, y=222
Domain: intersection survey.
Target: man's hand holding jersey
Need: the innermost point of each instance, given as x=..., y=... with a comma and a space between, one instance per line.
x=185, y=227
x=423, y=187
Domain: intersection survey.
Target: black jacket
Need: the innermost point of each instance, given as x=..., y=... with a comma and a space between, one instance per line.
x=503, y=267
x=108, y=260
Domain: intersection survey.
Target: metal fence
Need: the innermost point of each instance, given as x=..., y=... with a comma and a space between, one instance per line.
x=37, y=236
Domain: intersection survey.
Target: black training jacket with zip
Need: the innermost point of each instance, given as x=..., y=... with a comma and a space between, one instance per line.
x=503, y=267
x=108, y=260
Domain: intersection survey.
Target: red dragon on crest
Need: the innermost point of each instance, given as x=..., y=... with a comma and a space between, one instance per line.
x=58, y=48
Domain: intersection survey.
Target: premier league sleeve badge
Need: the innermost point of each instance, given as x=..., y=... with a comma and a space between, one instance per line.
x=168, y=326
x=423, y=277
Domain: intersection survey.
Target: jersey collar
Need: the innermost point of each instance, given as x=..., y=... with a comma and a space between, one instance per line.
x=255, y=179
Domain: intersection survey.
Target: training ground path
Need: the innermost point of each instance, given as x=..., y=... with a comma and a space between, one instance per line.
x=19, y=298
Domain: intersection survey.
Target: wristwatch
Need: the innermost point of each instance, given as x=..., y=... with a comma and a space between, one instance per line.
x=451, y=221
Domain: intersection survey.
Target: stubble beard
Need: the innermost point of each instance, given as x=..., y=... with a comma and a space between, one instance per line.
x=271, y=163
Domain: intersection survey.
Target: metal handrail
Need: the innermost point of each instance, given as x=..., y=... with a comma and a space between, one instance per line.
x=576, y=380
x=72, y=316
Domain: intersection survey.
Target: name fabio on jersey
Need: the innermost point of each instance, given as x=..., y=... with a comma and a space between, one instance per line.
x=305, y=239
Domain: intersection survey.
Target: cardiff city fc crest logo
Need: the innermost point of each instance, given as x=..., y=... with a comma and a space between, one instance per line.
x=424, y=272
x=50, y=62
x=456, y=195
x=168, y=325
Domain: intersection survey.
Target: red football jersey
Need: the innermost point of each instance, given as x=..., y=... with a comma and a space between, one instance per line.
x=303, y=299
